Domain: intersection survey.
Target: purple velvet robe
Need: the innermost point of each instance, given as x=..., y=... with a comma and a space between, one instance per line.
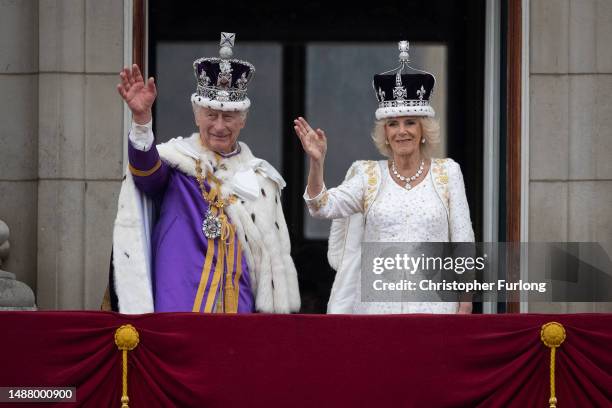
x=178, y=244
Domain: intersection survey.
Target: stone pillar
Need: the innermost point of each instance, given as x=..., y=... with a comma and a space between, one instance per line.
x=18, y=133
x=80, y=149
x=570, y=126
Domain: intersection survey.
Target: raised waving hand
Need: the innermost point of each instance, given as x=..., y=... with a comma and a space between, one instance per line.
x=137, y=94
x=313, y=141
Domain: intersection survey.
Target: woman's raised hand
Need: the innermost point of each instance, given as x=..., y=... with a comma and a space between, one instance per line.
x=138, y=94
x=313, y=141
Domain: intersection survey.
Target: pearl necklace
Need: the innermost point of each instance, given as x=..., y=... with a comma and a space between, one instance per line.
x=408, y=180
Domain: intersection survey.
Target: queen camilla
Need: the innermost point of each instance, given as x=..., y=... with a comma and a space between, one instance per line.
x=408, y=197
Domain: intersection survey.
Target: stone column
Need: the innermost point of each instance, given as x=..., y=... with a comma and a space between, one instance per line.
x=18, y=132
x=80, y=149
x=571, y=127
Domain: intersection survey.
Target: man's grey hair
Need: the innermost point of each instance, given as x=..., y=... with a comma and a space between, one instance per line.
x=197, y=108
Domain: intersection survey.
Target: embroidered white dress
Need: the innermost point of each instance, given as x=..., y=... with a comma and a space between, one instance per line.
x=399, y=215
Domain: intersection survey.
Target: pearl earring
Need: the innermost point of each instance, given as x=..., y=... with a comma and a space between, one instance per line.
x=423, y=140
x=386, y=142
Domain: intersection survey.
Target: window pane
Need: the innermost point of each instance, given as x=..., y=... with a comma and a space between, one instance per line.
x=340, y=100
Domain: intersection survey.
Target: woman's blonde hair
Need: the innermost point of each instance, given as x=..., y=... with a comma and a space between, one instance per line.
x=430, y=132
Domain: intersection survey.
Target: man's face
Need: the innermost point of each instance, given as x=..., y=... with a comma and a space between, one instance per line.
x=219, y=130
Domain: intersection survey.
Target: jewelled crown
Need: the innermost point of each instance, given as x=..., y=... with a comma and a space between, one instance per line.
x=223, y=81
x=404, y=91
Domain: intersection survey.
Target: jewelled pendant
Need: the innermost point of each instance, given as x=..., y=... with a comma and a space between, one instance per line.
x=211, y=226
x=407, y=186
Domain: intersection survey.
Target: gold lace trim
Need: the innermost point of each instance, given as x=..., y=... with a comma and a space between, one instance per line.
x=441, y=178
x=370, y=170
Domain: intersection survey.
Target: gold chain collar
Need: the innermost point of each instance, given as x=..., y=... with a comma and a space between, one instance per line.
x=215, y=201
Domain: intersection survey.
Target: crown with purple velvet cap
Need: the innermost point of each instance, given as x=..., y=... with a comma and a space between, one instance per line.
x=404, y=91
x=223, y=81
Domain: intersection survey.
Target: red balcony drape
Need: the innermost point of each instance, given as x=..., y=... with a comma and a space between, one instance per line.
x=190, y=360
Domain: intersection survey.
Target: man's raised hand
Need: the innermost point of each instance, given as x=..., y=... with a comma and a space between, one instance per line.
x=138, y=95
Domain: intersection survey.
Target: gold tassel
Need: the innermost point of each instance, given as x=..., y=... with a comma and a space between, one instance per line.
x=210, y=251
x=126, y=338
x=229, y=299
x=226, y=227
x=552, y=335
x=214, y=285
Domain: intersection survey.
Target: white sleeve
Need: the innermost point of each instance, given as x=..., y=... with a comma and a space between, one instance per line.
x=341, y=201
x=141, y=136
x=459, y=211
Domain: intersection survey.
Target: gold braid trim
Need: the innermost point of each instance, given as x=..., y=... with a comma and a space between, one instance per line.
x=370, y=170
x=238, y=275
x=552, y=335
x=230, y=303
x=210, y=252
x=214, y=285
x=441, y=177
x=144, y=173
x=126, y=338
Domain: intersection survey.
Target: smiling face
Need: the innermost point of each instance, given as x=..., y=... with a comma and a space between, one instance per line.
x=219, y=130
x=404, y=135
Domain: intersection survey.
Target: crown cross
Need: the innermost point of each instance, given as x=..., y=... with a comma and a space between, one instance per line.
x=403, y=48
x=399, y=93
x=421, y=93
x=227, y=40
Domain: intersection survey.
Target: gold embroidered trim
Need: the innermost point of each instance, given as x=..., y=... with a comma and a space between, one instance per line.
x=320, y=202
x=441, y=178
x=230, y=301
x=236, y=287
x=370, y=170
x=144, y=173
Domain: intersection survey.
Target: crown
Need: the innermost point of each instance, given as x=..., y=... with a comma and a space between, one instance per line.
x=223, y=81
x=402, y=93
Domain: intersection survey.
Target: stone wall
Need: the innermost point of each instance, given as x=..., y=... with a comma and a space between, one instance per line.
x=62, y=144
x=571, y=125
x=80, y=148
x=19, y=133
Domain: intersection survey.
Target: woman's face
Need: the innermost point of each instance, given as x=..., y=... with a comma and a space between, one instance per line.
x=404, y=135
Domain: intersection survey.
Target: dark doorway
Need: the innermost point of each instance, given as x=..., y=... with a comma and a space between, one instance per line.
x=296, y=35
